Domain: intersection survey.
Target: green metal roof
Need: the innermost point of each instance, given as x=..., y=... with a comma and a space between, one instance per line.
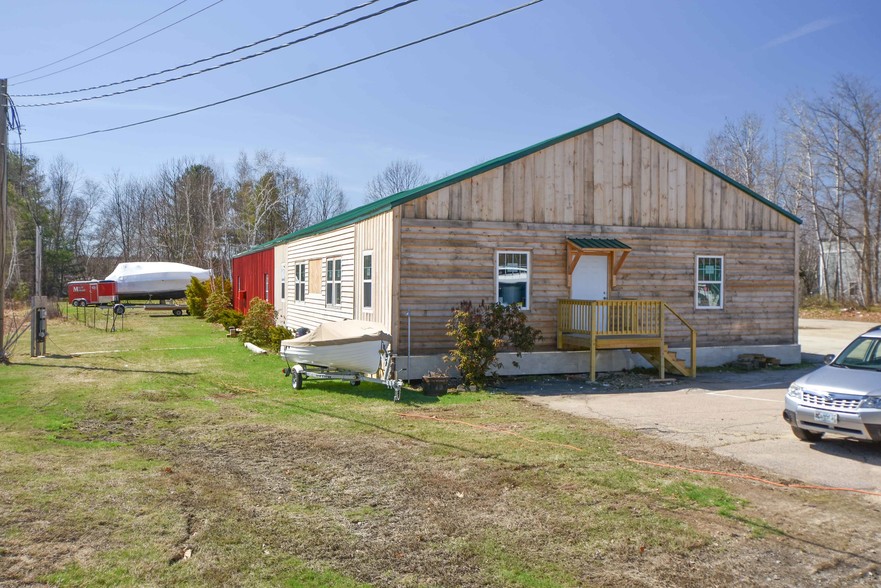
x=385, y=204
x=592, y=243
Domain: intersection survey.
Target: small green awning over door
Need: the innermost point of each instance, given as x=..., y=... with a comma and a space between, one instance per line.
x=578, y=246
x=593, y=243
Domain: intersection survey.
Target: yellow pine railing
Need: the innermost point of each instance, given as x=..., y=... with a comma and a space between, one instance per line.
x=624, y=318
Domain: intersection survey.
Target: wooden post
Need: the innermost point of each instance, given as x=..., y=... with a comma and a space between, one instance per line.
x=662, y=346
x=560, y=310
x=693, y=353
x=4, y=146
x=591, y=321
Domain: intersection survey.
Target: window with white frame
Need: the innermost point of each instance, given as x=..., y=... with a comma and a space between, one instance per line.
x=709, y=290
x=367, y=280
x=299, y=282
x=333, y=279
x=512, y=278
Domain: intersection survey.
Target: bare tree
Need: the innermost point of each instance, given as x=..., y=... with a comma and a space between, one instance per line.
x=803, y=177
x=399, y=175
x=328, y=199
x=835, y=142
x=741, y=151
x=849, y=131
x=270, y=198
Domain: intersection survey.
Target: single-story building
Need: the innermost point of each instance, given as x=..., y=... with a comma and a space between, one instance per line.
x=620, y=247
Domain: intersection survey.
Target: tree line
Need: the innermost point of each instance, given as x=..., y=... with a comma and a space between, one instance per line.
x=819, y=159
x=187, y=211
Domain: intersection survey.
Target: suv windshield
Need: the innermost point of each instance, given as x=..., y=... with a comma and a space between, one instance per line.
x=864, y=353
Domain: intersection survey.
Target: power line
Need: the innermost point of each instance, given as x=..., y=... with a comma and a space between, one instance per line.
x=143, y=22
x=232, y=62
x=295, y=80
x=138, y=40
x=198, y=61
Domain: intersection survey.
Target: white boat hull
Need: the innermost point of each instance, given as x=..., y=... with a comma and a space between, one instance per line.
x=361, y=356
x=155, y=278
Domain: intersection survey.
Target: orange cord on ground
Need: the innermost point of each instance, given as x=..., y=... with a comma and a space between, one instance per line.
x=642, y=461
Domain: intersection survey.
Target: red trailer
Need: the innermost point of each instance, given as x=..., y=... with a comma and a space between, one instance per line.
x=88, y=292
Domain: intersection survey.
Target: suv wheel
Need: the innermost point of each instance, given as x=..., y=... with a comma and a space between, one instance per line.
x=806, y=435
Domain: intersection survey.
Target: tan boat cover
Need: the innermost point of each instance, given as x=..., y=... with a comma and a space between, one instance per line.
x=337, y=333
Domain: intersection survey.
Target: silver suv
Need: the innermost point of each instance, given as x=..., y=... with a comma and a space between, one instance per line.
x=841, y=398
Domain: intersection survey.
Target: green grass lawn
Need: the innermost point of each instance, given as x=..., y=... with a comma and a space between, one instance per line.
x=167, y=454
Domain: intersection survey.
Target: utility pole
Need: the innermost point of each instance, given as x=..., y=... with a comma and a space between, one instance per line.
x=38, y=261
x=4, y=147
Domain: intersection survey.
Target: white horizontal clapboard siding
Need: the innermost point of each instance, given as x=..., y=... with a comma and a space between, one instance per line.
x=311, y=312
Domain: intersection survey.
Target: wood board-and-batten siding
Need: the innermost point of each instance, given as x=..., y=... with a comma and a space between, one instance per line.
x=375, y=234
x=614, y=182
x=612, y=175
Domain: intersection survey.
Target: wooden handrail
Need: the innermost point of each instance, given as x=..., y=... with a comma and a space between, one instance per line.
x=625, y=318
x=693, y=341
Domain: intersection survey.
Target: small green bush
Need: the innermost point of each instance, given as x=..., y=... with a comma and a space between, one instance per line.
x=480, y=332
x=259, y=320
x=219, y=300
x=230, y=318
x=22, y=292
x=277, y=334
x=197, y=297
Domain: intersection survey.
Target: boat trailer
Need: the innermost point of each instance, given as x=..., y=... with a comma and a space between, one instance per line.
x=385, y=375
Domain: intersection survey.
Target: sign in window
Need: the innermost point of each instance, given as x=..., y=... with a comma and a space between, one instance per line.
x=709, y=287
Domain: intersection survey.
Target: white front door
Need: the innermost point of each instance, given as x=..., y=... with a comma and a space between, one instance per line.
x=590, y=279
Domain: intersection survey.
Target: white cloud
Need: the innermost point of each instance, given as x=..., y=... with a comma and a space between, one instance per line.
x=808, y=29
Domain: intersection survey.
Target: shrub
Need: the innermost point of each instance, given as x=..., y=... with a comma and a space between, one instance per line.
x=480, y=332
x=22, y=292
x=277, y=334
x=230, y=318
x=259, y=320
x=197, y=297
x=219, y=300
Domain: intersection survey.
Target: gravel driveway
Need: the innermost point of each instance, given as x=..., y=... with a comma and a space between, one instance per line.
x=735, y=414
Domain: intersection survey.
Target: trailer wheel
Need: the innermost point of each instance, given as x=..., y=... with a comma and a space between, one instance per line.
x=297, y=380
x=177, y=312
x=355, y=382
x=118, y=309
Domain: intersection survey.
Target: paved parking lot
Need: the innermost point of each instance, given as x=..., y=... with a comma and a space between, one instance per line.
x=739, y=415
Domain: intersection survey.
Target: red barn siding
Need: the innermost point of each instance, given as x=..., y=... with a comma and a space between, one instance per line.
x=252, y=275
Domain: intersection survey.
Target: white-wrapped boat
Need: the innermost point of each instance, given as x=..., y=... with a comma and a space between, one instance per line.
x=347, y=350
x=155, y=279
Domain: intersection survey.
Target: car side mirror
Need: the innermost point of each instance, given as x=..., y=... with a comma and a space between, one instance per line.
x=829, y=358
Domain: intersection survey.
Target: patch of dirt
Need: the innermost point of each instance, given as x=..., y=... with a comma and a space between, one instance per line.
x=842, y=314
x=580, y=383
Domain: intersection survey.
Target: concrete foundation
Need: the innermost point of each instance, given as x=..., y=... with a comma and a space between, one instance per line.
x=578, y=362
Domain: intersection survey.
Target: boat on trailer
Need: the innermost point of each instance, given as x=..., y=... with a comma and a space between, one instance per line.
x=157, y=280
x=352, y=351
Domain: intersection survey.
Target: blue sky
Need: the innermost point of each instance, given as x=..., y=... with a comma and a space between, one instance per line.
x=677, y=68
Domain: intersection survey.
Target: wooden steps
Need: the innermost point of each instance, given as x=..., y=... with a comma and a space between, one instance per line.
x=671, y=360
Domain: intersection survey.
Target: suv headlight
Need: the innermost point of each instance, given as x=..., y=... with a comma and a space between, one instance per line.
x=795, y=391
x=871, y=402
